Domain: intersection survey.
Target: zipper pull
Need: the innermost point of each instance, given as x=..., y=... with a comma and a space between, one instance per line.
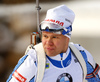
x=61, y=58
x=61, y=54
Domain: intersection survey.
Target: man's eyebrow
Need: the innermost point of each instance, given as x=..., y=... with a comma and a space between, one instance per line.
x=57, y=34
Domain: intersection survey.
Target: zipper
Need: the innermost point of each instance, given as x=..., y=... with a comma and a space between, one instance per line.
x=62, y=60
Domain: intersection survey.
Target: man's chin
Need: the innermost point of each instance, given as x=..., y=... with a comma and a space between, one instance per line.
x=51, y=54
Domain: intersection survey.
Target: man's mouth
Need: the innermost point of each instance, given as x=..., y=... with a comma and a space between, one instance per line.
x=48, y=48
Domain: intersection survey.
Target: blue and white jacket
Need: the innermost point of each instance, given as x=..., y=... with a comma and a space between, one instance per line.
x=63, y=67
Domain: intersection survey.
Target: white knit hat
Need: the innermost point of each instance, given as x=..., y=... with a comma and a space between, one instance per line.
x=61, y=15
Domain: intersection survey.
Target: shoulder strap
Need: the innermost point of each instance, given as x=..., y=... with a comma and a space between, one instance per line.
x=41, y=61
x=80, y=59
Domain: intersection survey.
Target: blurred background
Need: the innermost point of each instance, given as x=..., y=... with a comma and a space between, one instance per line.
x=18, y=19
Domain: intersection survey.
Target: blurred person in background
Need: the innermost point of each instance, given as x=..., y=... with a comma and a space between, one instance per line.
x=62, y=64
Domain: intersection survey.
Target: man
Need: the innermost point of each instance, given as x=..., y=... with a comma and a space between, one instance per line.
x=61, y=62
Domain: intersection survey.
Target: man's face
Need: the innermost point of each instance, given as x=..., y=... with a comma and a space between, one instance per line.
x=54, y=44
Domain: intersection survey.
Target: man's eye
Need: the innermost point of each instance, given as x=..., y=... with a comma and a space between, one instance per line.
x=55, y=37
x=45, y=36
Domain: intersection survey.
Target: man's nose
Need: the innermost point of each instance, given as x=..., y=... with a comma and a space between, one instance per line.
x=49, y=41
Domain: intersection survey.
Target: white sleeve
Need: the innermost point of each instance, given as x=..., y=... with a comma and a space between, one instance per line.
x=90, y=59
x=27, y=68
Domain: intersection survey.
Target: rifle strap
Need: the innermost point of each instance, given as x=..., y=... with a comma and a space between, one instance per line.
x=41, y=61
x=80, y=59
